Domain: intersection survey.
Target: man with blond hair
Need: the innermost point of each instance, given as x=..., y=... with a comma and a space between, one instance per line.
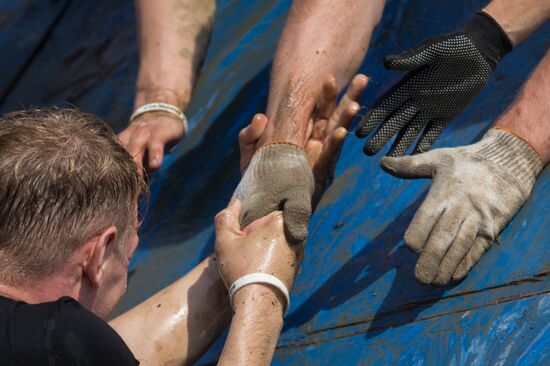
x=69, y=196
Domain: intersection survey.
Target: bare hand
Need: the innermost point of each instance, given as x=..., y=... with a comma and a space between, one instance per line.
x=330, y=128
x=260, y=247
x=149, y=135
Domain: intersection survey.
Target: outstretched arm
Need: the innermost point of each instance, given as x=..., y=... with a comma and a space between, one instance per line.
x=178, y=324
x=173, y=36
x=257, y=321
x=259, y=308
x=320, y=38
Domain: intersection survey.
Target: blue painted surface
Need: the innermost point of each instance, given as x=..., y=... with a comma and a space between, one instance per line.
x=355, y=300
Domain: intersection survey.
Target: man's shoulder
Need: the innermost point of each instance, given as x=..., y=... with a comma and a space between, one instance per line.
x=62, y=333
x=76, y=330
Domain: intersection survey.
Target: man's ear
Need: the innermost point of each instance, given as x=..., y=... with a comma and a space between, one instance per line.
x=100, y=248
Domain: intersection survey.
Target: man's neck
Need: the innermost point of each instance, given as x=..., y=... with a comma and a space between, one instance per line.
x=47, y=289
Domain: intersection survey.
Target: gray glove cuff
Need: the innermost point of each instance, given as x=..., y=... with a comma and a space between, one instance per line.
x=511, y=153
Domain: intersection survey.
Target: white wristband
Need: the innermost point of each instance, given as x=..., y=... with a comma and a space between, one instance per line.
x=259, y=278
x=160, y=107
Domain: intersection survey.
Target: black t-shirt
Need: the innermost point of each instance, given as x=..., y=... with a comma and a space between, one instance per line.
x=58, y=333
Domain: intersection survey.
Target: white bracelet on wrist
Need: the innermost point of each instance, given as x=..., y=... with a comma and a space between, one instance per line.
x=161, y=107
x=259, y=278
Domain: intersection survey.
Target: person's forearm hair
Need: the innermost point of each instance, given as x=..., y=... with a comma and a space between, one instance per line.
x=519, y=18
x=320, y=38
x=527, y=117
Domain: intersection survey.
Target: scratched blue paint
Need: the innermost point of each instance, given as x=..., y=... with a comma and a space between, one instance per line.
x=356, y=300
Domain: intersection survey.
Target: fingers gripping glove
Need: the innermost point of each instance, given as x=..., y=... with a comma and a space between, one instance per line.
x=444, y=74
x=278, y=178
x=475, y=192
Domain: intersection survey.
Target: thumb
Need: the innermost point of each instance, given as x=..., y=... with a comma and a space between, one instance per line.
x=227, y=221
x=249, y=137
x=234, y=207
x=416, y=166
x=252, y=133
x=296, y=215
x=411, y=59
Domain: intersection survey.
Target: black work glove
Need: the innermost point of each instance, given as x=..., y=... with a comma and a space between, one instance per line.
x=444, y=74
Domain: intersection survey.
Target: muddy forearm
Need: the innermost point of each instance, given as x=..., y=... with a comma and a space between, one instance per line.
x=255, y=327
x=179, y=323
x=321, y=38
x=528, y=115
x=258, y=319
x=173, y=36
x=519, y=18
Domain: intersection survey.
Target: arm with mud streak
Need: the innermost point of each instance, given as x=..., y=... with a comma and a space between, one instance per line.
x=255, y=327
x=173, y=36
x=320, y=38
x=179, y=323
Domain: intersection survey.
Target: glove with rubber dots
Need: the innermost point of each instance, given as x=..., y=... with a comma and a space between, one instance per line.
x=476, y=190
x=278, y=178
x=444, y=74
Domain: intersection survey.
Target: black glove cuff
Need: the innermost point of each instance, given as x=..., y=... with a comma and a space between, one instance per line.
x=488, y=36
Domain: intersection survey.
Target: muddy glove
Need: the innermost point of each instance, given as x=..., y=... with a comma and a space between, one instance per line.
x=475, y=192
x=278, y=178
x=444, y=74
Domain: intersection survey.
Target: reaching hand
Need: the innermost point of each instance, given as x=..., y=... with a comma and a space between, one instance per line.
x=150, y=134
x=241, y=252
x=444, y=74
x=476, y=191
x=328, y=130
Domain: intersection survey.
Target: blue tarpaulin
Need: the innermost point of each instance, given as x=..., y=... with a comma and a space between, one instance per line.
x=356, y=300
